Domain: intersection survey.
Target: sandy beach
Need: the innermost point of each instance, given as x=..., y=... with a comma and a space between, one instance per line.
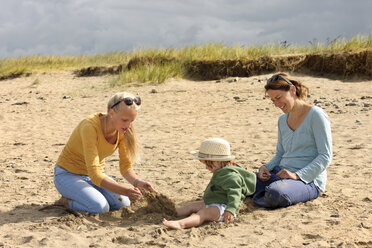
x=38, y=117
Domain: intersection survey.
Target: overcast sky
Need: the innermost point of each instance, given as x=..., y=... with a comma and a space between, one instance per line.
x=73, y=27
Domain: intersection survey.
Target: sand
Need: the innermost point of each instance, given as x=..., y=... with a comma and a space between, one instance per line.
x=38, y=117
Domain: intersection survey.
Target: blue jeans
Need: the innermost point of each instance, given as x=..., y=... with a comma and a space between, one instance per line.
x=86, y=196
x=278, y=192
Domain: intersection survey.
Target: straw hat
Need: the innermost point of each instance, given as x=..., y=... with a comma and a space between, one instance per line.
x=214, y=149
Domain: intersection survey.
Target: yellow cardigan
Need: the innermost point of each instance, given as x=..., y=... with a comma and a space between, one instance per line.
x=87, y=148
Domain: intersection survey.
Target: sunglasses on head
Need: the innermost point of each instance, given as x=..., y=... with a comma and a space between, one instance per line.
x=276, y=78
x=129, y=101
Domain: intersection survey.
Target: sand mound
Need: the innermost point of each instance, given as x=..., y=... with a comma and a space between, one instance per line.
x=343, y=65
x=14, y=75
x=99, y=71
x=114, y=70
x=150, y=203
x=346, y=65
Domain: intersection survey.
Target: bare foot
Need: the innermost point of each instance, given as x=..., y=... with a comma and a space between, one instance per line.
x=172, y=224
x=63, y=201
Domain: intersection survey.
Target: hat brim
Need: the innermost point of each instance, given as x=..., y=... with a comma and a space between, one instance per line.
x=229, y=158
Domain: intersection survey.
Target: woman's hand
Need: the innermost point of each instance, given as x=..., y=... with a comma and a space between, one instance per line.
x=133, y=194
x=144, y=185
x=264, y=174
x=286, y=174
x=228, y=217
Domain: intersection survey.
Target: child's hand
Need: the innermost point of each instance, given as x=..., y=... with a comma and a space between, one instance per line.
x=228, y=217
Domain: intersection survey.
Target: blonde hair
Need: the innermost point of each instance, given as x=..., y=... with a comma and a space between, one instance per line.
x=130, y=137
x=117, y=97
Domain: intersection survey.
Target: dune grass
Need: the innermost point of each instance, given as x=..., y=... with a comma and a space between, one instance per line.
x=46, y=63
x=156, y=73
x=160, y=72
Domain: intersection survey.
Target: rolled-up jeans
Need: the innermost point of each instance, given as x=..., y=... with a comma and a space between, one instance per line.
x=277, y=192
x=86, y=196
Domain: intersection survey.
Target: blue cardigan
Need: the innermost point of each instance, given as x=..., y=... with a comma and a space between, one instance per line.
x=307, y=151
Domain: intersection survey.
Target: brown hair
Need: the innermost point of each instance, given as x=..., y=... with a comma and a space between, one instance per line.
x=130, y=137
x=281, y=84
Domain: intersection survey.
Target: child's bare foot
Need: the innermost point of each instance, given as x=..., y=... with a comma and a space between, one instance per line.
x=174, y=224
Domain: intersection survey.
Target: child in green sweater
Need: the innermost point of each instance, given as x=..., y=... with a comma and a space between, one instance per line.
x=224, y=195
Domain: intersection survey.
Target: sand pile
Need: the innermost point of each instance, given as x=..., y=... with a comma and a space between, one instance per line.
x=151, y=203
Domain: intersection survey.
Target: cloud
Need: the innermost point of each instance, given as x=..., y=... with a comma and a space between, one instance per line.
x=88, y=27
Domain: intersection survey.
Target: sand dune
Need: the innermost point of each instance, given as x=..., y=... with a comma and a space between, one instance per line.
x=37, y=119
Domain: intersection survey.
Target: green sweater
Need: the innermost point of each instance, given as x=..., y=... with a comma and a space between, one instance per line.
x=230, y=186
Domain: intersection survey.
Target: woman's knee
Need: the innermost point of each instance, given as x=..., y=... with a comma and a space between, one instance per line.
x=122, y=201
x=99, y=207
x=276, y=197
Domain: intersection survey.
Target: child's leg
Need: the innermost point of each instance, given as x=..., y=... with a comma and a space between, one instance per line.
x=190, y=208
x=204, y=214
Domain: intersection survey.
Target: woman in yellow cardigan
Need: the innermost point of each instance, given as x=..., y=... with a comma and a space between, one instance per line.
x=79, y=173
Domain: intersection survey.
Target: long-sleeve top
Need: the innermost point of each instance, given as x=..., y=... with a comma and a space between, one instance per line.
x=230, y=185
x=307, y=151
x=86, y=149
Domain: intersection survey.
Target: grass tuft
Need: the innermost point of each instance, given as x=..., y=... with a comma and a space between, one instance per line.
x=153, y=73
x=36, y=82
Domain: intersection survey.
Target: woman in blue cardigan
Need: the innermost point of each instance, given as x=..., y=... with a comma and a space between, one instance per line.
x=297, y=173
